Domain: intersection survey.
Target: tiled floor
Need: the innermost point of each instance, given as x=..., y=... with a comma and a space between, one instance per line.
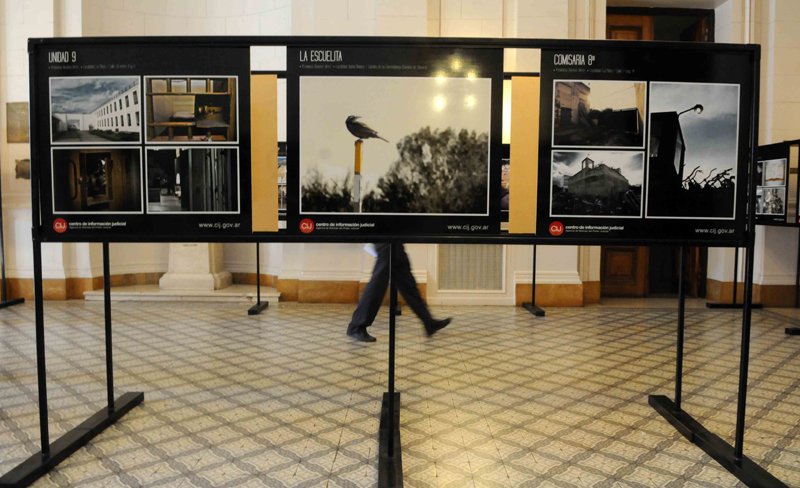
x=498, y=399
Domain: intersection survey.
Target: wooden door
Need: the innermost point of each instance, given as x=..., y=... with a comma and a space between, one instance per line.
x=629, y=27
x=623, y=271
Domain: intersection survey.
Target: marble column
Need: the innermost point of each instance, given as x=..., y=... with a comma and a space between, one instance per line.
x=195, y=266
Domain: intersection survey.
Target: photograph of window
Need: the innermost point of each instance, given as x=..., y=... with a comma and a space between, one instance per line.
x=193, y=180
x=599, y=113
x=597, y=183
x=191, y=109
x=95, y=110
x=394, y=145
x=693, y=150
x=97, y=180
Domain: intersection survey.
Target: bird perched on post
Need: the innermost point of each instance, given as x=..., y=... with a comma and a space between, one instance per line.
x=360, y=129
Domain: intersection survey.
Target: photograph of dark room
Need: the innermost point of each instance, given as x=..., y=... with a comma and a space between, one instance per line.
x=97, y=180
x=191, y=109
x=181, y=179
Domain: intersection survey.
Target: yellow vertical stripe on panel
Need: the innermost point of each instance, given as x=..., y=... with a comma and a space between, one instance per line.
x=524, y=171
x=264, y=152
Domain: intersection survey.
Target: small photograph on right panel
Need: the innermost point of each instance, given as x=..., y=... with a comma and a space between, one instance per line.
x=692, y=151
x=771, y=187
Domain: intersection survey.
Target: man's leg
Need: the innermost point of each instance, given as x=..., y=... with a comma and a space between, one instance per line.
x=371, y=299
x=407, y=286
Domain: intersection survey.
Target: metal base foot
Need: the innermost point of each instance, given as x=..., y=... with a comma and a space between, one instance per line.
x=390, y=469
x=731, y=305
x=793, y=330
x=257, y=308
x=14, y=301
x=533, y=309
x=745, y=469
x=39, y=464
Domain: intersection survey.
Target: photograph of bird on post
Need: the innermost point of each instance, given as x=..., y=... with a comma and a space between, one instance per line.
x=361, y=131
x=420, y=145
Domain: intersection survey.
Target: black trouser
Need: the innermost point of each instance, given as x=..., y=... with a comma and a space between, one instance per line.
x=375, y=290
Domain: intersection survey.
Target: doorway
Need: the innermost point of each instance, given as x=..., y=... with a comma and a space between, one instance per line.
x=638, y=271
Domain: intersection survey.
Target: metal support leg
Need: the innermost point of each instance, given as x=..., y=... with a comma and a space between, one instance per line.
x=259, y=306
x=531, y=306
x=51, y=455
x=796, y=330
x=681, y=329
x=390, y=465
x=107, y=313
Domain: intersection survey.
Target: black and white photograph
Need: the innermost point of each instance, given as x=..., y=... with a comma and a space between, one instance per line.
x=599, y=113
x=192, y=180
x=97, y=180
x=191, y=109
x=693, y=150
x=772, y=172
x=597, y=183
x=770, y=200
x=394, y=145
x=95, y=110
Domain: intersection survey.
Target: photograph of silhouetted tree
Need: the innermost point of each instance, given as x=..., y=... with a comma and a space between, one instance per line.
x=437, y=171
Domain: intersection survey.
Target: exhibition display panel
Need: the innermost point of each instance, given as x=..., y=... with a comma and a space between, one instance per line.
x=391, y=140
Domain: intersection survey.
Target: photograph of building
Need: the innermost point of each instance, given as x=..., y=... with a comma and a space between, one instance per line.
x=193, y=180
x=97, y=180
x=191, y=109
x=597, y=184
x=693, y=150
x=95, y=109
x=429, y=153
x=602, y=113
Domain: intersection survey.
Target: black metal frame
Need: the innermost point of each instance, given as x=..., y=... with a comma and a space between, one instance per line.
x=531, y=306
x=259, y=306
x=390, y=465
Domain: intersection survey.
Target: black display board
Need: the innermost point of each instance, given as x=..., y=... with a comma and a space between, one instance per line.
x=429, y=121
x=776, y=185
x=428, y=115
x=142, y=139
x=644, y=141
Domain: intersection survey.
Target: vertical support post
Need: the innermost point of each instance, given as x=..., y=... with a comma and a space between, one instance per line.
x=258, y=273
x=681, y=329
x=735, y=273
x=258, y=307
x=744, y=357
x=390, y=464
x=107, y=313
x=41, y=370
x=356, y=191
x=392, y=340
x=531, y=306
x=797, y=275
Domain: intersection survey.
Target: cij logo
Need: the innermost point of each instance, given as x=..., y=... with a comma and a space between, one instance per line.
x=556, y=228
x=306, y=226
x=60, y=225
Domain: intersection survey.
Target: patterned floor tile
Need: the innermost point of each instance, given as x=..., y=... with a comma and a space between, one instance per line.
x=286, y=400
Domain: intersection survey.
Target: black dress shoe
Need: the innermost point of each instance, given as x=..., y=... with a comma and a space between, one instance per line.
x=436, y=325
x=361, y=335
